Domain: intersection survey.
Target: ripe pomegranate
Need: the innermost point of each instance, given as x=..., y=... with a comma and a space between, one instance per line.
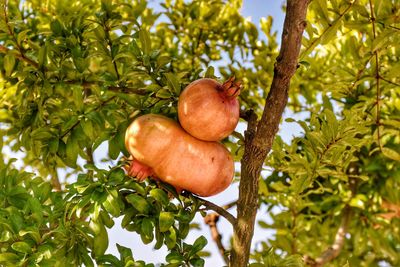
x=160, y=147
x=209, y=110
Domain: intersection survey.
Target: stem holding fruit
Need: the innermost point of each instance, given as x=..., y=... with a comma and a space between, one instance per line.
x=231, y=89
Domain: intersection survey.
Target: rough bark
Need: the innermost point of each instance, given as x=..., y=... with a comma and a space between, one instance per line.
x=259, y=135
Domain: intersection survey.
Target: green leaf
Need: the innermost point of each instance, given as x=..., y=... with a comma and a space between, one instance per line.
x=147, y=228
x=125, y=252
x=9, y=62
x=53, y=145
x=391, y=154
x=56, y=27
x=145, y=40
x=88, y=129
x=71, y=151
x=209, y=72
x=81, y=64
x=21, y=247
x=305, y=63
x=37, y=209
x=34, y=234
x=382, y=40
x=198, y=245
x=42, y=56
x=358, y=201
x=106, y=219
x=41, y=134
x=132, y=100
x=174, y=258
x=117, y=175
x=8, y=257
x=22, y=36
x=159, y=239
x=69, y=124
x=113, y=148
x=111, y=259
x=100, y=241
x=170, y=238
x=166, y=220
x=160, y=195
x=173, y=83
x=323, y=8
x=162, y=61
x=138, y=188
x=5, y=236
x=135, y=49
x=139, y=203
x=163, y=93
x=197, y=262
x=111, y=204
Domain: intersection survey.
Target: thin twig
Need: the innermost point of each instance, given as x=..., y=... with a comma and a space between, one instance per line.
x=78, y=121
x=118, y=89
x=22, y=57
x=360, y=72
x=55, y=181
x=393, y=27
x=377, y=76
x=221, y=211
x=211, y=220
x=3, y=49
x=304, y=53
x=229, y=205
x=389, y=81
x=110, y=44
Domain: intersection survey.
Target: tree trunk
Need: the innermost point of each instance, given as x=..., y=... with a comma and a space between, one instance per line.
x=259, y=136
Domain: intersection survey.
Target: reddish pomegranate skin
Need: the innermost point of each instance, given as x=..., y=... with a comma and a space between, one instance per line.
x=209, y=110
x=139, y=170
x=177, y=158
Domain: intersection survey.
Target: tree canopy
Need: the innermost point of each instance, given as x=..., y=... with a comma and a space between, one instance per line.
x=74, y=74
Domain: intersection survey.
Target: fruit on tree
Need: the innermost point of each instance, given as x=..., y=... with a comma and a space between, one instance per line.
x=160, y=147
x=209, y=110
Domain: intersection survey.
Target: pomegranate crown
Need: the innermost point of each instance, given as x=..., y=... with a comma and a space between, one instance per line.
x=231, y=88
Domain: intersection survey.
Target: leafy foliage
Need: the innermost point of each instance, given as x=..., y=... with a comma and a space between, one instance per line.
x=347, y=155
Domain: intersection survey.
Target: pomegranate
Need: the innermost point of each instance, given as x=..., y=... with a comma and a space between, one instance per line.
x=160, y=147
x=209, y=110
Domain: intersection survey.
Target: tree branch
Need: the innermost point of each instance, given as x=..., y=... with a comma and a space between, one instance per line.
x=377, y=77
x=326, y=30
x=333, y=251
x=245, y=114
x=21, y=57
x=79, y=121
x=111, y=45
x=55, y=181
x=389, y=81
x=221, y=211
x=259, y=136
x=4, y=50
x=211, y=220
x=118, y=89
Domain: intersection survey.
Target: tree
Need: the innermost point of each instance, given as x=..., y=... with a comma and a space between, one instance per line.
x=75, y=73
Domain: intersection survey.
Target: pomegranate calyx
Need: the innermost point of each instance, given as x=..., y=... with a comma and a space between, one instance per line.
x=232, y=88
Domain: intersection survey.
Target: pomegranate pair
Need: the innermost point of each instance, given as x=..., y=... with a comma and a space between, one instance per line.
x=188, y=156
